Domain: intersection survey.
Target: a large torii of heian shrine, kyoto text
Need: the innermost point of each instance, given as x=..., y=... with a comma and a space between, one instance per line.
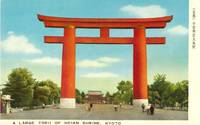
x=138, y=41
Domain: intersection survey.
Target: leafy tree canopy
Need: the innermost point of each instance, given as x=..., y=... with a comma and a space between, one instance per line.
x=20, y=87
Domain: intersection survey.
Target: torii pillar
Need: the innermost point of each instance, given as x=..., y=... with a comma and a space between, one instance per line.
x=139, y=41
x=68, y=69
x=140, y=67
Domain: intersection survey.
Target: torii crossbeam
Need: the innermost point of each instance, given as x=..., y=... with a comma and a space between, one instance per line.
x=139, y=41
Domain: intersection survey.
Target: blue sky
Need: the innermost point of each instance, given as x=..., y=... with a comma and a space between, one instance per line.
x=99, y=67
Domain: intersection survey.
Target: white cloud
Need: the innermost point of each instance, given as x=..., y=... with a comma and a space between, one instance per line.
x=144, y=11
x=10, y=32
x=18, y=44
x=98, y=63
x=91, y=63
x=100, y=75
x=178, y=30
x=108, y=59
x=45, y=60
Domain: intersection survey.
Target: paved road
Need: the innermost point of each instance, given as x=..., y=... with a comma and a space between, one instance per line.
x=99, y=112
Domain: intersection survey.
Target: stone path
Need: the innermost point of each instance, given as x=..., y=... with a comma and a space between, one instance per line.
x=99, y=112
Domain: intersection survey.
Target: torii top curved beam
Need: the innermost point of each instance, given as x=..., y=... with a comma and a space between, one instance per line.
x=159, y=22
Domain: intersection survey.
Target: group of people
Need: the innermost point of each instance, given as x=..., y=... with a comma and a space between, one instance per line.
x=90, y=105
x=149, y=109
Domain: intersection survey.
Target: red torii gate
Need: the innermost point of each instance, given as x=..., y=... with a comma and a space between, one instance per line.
x=139, y=41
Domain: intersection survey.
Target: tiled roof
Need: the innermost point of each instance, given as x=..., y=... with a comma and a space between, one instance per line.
x=94, y=93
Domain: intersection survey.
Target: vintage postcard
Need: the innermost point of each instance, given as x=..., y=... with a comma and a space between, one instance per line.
x=99, y=62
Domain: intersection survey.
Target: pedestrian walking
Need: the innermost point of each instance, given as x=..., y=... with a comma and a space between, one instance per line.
x=43, y=105
x=90, y=106
x=152, y=109
x=115, y=107
x=143, y=106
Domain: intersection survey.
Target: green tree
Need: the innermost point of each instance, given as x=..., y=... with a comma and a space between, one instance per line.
x=20, y=87
x=108, y=98
x=165, y=93
x=83, y=97
x=78, y=96
x=46, y=92
x=181, y=93
x=117, y=98
x=54, y=91
x=161, y=90
x=41, y=94
x=124, y=93
x=154, y=97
